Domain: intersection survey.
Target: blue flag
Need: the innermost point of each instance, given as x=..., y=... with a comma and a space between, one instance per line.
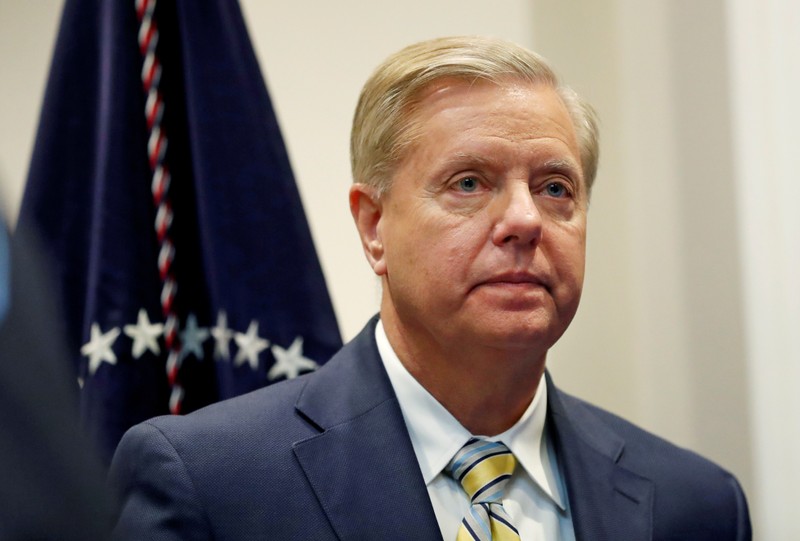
x=161, y=188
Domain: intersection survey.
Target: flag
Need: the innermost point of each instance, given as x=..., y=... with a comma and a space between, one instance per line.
x=160, y=186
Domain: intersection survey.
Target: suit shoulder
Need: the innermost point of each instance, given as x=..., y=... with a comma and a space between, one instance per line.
x=644, y=448
x=258, y=427
x=266, y=420
x=267, y=412
x=692, y=495
x=679, y=475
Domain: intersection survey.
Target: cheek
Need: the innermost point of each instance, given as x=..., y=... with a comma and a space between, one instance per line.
x=565, y=246
x=458, y=245
x=571, y=265
x=567, y=264
x=572, y=256
x=435, y=263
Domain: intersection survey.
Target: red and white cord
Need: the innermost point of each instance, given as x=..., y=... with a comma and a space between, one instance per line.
x=156, y=151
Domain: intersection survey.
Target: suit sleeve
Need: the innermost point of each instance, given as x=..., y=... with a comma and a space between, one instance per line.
x=744, y=530
x=159, y=500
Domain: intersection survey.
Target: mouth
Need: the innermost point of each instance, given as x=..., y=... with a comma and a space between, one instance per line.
x=514, y=281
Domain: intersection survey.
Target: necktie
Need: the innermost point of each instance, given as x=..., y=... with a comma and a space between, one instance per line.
x=483, y=469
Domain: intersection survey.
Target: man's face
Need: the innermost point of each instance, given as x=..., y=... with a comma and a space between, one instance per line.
x=481, y=238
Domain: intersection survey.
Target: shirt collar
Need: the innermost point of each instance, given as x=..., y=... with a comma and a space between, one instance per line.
x=436, y=435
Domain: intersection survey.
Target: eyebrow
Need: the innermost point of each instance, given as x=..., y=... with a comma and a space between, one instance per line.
x=564, y=166
x=460, y=157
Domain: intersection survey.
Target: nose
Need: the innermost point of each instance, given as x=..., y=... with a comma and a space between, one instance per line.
x=518, y=220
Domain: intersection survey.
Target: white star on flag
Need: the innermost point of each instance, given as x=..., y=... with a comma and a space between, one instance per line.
x=98, y=348
x=289, y=362
x=222, y=336
x=250, y=345
x=192, y=338
x=144, y=334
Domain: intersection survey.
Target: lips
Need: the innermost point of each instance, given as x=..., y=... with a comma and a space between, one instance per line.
x=514, y=279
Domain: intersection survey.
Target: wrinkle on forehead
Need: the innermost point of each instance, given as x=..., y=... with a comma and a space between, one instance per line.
x=545, y=117
x=552, y=113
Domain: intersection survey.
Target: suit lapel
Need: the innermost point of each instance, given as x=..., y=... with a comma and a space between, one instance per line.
x=363, y=469
x=607, y=501
x=362, y=466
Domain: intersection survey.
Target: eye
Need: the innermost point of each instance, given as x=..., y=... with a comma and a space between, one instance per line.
x=467, y=184
x=556, y=189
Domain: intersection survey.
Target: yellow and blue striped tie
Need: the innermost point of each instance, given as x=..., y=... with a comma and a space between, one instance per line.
x=483, y=468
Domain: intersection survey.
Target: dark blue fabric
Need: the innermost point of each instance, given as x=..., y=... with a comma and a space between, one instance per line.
x=624, y=483
x=328, y=456
x=5, y=293
x=53, y=486
x=323, y=457
x=241, y=238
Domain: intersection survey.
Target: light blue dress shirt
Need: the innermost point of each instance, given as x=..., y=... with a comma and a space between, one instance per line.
x=536, y=497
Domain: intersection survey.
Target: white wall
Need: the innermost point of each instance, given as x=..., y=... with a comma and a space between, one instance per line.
x=691, y=297
x=27, y=34
x=765, y=83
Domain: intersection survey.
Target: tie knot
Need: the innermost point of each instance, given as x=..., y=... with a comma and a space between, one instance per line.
x=483, y=469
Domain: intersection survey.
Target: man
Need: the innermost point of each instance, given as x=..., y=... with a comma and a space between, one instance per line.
x=472, y=168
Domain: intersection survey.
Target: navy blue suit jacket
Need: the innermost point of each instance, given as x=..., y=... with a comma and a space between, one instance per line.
x=327, y=456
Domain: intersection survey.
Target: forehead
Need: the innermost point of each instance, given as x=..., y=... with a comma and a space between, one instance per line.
x=529, y=101
x=518, y=116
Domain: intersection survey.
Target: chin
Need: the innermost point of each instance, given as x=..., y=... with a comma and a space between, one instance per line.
x=515, y=337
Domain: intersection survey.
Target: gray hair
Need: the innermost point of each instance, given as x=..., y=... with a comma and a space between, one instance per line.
x=382, y=132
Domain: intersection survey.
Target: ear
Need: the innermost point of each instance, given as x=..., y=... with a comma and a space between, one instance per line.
x=367, y=209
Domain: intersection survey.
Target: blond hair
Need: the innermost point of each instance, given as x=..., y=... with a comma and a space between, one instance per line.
x=382, y=122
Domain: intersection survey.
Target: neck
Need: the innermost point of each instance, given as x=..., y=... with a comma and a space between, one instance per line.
x=486, y=389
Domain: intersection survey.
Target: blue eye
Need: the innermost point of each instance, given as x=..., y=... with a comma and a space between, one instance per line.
x=556, y=189
x=468, y=184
